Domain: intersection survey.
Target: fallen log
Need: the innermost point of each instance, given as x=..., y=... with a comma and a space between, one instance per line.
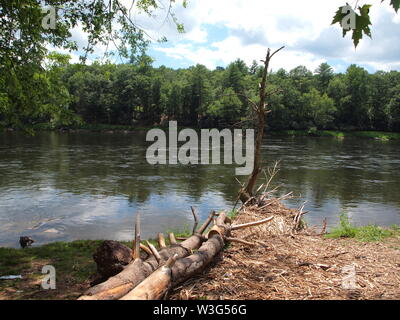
x=136, y=271
x=155, y=285
x=151, y=278
x=175, y=272
x=158, y=283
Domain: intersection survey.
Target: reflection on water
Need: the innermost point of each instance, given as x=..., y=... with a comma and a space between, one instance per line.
x=66, y=186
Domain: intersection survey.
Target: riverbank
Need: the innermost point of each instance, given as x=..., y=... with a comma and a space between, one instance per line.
x=378, y=135
x=354, y=264
x=84, y=128
x=297, y=266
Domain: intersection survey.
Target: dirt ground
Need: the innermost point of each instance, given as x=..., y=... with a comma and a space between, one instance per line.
x=288, y=266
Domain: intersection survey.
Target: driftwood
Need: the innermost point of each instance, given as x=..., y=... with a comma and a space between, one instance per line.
x=176, y=270
x=151, y=278
x=155, y=286
x=135, y=272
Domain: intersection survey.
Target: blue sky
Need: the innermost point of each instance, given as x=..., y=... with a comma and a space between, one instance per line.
x=220, y=31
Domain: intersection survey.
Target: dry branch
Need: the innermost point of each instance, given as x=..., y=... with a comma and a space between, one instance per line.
x=206, y=223
x=324, y=225
x=196, y=220
x=251, y=224
x=297, y=218
x=240, y=241
x=136, y=248
x=155, y=252
x=146, y=249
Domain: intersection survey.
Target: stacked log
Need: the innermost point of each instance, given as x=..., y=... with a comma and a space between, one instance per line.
x=167, y=266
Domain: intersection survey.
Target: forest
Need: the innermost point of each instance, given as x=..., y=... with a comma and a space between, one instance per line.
x=59, y=94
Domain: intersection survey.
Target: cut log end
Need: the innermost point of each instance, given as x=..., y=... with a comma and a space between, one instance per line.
x=172, y=239
x=161, y=240
x=111, y=258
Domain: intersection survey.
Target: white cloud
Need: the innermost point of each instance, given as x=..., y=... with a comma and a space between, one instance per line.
x=250, y=27
x=302, y=26
x=223, y=51
x=197, y=35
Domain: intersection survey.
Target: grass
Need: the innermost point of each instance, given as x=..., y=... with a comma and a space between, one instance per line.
x=380, y=135
x=73, y=262
x=233, y=214
x=364, y=233
x=66, y=257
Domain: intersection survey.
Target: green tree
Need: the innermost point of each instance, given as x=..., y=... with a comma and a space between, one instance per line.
x=318, y=108
x=227, y=109
x=24, y=40
x=355, y=108
x=393, y=108
x=324, y=74
x=197, y=94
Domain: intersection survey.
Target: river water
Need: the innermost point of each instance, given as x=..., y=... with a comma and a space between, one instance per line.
x=68, y=186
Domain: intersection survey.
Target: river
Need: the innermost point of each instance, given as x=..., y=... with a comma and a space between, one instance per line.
x=87, y=185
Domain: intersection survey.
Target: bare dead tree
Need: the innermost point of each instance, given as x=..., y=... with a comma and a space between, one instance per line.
x=261, y=110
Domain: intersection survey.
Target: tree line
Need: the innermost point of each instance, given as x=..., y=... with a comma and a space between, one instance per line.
x=136, y=93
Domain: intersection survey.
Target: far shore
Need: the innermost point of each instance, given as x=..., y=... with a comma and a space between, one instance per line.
x=313, y=132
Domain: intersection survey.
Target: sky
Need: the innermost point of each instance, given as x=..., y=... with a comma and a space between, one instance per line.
x=221, y=31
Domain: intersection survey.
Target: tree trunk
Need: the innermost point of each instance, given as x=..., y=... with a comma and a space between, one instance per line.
x=260, y=109
x=137, y=271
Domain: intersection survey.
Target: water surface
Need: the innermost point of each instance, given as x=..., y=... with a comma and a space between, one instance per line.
x=67, y=186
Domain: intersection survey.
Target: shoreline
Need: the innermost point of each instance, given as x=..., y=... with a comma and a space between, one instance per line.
x=106, y=128
x=76, y=268
x=378, y=135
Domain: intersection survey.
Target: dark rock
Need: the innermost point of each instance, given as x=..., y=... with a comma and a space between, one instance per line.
x=111, y=258
x=25, y=242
